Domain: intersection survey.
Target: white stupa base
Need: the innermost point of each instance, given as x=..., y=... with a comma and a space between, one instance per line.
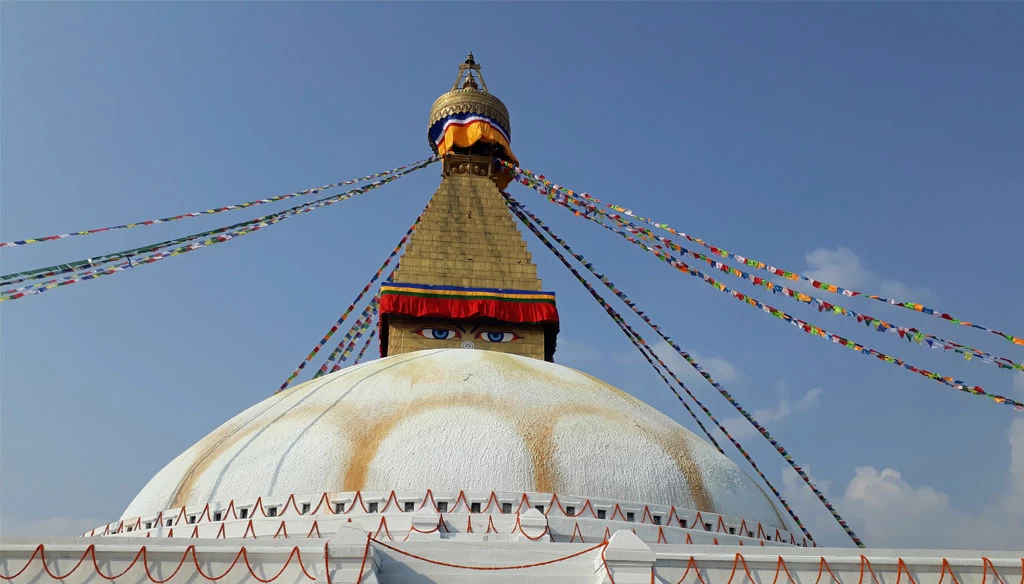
x=345, y=557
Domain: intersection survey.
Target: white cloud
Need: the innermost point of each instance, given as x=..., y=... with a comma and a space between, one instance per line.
x=890, y=512
x=887, y=511
x=843, y=267
x=56, y=526
x=793, y=484
x=838, y=266
x=741, y=428
x=1013, y=499
x=720, y=369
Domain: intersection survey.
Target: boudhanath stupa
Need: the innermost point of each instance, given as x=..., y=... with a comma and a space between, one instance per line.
x=465, y=453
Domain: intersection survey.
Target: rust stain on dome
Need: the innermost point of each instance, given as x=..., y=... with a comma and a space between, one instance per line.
x=367, y=434
x=212, y=446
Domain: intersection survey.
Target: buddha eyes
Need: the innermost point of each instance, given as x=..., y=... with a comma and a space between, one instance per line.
x=497, y=336
x=447, y=334
x=439, y=334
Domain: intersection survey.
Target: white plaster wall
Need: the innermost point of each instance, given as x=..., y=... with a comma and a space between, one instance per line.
x=738, y=492
x=302, y=455
x=626, y=560
x=413, y=451
x=611, y=452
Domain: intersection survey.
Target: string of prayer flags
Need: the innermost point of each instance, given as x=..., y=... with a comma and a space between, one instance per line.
x=346, y=345
x=808, y=328
x=84, y=276
x=524, y=174
x=521, y=210
x=93, y=263
x=249, y=227
x=348, y=342
x=355, y=339
x=310, y=191
x=90, y=263
x=911, y=334
x=366, y=345
x=104, y=259
x=351, y=307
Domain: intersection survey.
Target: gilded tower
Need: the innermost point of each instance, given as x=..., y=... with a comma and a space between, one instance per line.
x=466, y=279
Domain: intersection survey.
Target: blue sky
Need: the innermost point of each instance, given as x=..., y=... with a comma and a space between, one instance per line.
x=876, y=145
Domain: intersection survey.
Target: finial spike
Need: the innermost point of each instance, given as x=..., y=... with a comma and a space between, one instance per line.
x=465, y=76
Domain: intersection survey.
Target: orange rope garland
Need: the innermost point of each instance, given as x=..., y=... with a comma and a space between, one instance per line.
x=739, y=558
x=901, y=567
x=325, y=506
x=823, y=565
x=296, y=555
x=985, y=562
x=691, y=564
x=366, y=553
x=864, y=561
x=519, y=526
x=488, y=568
x=946, y=567
x=327, y=564
x=142, y=554
x=779, y=568
x=604, y=562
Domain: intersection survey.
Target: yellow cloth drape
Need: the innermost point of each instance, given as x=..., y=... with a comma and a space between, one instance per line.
x=465, y=136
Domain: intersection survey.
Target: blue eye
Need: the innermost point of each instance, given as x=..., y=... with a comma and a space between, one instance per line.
x=438, y=334
x=497, y=336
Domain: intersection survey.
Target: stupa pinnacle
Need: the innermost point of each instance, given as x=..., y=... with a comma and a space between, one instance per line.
x=466, y=279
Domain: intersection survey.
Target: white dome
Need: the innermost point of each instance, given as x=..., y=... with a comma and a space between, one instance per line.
x=459, y=420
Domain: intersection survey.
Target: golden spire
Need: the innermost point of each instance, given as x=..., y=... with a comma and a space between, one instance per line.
x=466, y=278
